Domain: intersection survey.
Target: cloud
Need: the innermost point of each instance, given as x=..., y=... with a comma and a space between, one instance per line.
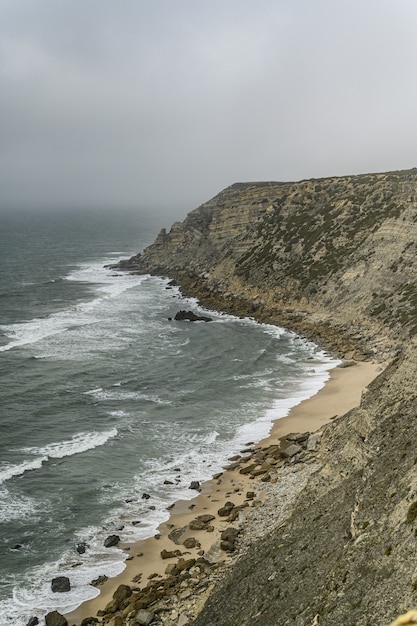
x=162, y=104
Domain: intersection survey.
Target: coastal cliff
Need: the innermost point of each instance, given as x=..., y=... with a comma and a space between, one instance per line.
x=333, y=259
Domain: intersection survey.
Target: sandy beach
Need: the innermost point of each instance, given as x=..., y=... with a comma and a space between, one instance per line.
x=342, y=392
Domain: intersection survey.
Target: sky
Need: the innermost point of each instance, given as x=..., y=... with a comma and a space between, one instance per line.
x=163, y=103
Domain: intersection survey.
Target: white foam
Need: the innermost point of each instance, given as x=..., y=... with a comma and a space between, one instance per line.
x=14, y=507
x=108, y=394
x=8, y=471
x=107, y=284
x=80, y=442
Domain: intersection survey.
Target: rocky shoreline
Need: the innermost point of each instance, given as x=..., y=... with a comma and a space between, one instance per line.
x=254, y=495
x=279, y=473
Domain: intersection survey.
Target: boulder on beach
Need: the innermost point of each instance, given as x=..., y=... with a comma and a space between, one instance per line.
x=111, y=540
x=55, y=619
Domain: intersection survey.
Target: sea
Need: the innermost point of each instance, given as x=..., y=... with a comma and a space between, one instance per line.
x=109, y=408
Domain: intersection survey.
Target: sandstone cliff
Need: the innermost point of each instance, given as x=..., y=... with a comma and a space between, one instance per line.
x=334, y=259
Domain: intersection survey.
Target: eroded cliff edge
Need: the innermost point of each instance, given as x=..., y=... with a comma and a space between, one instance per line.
x=334, y=259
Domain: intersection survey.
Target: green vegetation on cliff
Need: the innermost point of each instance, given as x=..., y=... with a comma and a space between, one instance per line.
x=334, y=259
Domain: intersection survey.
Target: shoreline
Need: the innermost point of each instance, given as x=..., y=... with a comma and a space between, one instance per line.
x=241, y=483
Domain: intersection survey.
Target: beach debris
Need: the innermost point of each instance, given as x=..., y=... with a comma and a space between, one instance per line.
x=111, y=540
x=55, y=619
x=60, y=584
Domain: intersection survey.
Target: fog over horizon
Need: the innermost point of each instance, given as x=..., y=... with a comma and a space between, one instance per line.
x=160, y=105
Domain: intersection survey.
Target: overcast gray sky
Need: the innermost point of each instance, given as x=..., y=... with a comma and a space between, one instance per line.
x=163, y=103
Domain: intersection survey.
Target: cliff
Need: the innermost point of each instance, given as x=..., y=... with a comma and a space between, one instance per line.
x=334, y=259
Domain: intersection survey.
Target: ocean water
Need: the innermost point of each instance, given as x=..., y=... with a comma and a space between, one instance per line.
x=103, y=399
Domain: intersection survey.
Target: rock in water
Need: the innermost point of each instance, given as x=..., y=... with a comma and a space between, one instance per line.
x=112, y=540
x=60, y=584
x=191, y=317
x=33, y=621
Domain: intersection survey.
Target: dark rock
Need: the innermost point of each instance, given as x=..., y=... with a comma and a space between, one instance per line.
x=197, y=524
x=17, y=546
x=89, y=621
x=230, y=534
x=192, y=317
x=33, y=621
x=227, y=546
x=99, y=581
x=120, y=595
x=195, y=485
x=112, y=540
x=190, y=543
x=165, y=554
x=225, y=510
x=60, y=584
x=81, y=548
x=55, y=619
x=206, y=518
x=145, y=496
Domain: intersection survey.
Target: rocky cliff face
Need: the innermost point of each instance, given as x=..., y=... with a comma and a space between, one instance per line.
x=335, y=259
x=335, y=253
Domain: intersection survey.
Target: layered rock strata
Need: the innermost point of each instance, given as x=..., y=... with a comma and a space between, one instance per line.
x=334, y=259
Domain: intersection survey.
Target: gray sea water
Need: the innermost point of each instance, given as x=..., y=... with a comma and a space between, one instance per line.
x=102, y=399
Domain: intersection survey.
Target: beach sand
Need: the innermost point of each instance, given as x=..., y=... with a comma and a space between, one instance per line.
x=342, y=392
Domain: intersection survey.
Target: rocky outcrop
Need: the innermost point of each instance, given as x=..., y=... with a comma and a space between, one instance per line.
x=331, y=258
x=334, y=259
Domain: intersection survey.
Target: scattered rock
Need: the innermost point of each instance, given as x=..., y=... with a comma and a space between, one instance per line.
x=81, y=547
x=55, y=619
x=145, y=496
x=89, y=621
x=165, y=554
x=206, y=518
x=144, y=618
x=191, y=542
x=195, y=485
x=60, y=584
x=225, y=510
x=33, y=621
x=112, y=540
x=191, y=317
x=99, y=581
x=228, y=539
